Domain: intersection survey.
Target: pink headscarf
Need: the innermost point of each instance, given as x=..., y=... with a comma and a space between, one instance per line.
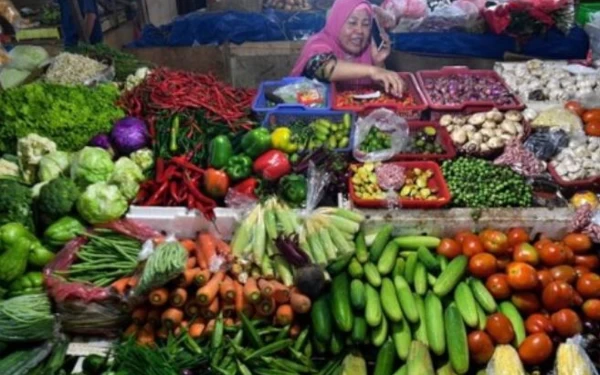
x=327, y=40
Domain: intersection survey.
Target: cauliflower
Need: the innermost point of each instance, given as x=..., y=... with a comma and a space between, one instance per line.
x=30, y=151
x=57, y=198
x=9, y=169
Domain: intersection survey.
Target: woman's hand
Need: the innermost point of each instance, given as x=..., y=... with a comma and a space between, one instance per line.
x=380, y=53
x=391, y=81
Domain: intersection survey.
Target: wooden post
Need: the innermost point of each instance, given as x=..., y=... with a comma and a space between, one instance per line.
x=76, y=14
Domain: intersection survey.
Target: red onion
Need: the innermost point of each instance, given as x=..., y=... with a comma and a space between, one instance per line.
x=459, y=88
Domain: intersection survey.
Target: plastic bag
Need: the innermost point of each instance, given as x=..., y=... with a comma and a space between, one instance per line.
x=521, y=160
x=413, y=9
x=85, y=308
x=387, y=122
x=310, y=93
x=546, y=143
x=572, y=359
x=461, y=15
x=559, y=117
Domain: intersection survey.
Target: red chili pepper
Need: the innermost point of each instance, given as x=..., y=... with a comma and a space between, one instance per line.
x=155, y=198
x=183, y=162
x=247, y=188
x=272, y=165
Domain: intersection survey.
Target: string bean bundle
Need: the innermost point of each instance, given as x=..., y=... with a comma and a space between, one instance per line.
x=26, y=318
x=164, y=264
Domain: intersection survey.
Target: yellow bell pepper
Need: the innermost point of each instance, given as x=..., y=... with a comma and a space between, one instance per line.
x=281, y=138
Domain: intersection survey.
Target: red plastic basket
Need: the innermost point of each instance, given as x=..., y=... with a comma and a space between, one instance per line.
x=411, y=112
x=437, y=181
x=443, y=138
x=576, y=184
x=468, y=106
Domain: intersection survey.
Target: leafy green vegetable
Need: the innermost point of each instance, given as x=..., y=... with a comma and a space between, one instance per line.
x=69, y=115
x=101, y=203
x=53, y=165
x=144, y=158
x=127, y=176
x=58, y=197
x=16, y=206
x=91, y=165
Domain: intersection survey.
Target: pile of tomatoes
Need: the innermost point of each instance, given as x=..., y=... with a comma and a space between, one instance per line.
x=590, y=117
x=554, y=285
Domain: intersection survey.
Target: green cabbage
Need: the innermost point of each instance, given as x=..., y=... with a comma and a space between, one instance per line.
x=27, y=57
x=91, y=165
x=53, y=165
x=10, y=77
x=127, y=176
x=101, y=203
x=144, y=158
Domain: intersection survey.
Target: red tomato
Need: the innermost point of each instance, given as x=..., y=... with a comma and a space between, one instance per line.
x=521, y=276
x=544, y=278
x=553, y=254
x=497, y=285
x=482, y=265
x=471, y=245
x=557, y=295
x=564, y=273
x=449, y=248
x=526, y=302
x=535, y=349
x=577, y=299
x=500, y=328
x=481, y=346
x=537, y=323
x=592, y=128
x=581, y=270
x=588, y=285
x=566, y=322
x=502, y=263
x=460, y=236
x=575, y=107
x=526, y=253
x=517, y=236
x=590, y=261
x=591, y=309
x=494, y=241
x=591, y=115
x=570, y=255
x=578, y=242
x=539, y=244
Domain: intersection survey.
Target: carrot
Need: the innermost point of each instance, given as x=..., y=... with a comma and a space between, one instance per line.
x=202, y=277
x=191, y=263
x=172, y=317
x=162, y=333
x=145, y=336
x=300, y=303
x=132, y=330
x=249, y=310
x=178, y=297
x=209, y=328
x=208, y=292
x=239, y=296
x=284, y=315
x=133, y=281
x=139, y=316
x=153, y=317
x=266, y=307
x=229, y=322
x=159, y=297
x=189, y=245
x=223, y=248
x=251, y=291
x=187, y=278
x=211, y=311
x=191, y=309
x=227, y=290
x=266, y=288
x=295, y=331
x=196, y=329
x=120, y=286
x=202, y=263
x=281, y=293
x=208, y=246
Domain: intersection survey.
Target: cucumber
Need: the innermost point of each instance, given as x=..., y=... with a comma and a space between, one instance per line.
x=420, y=279
x=389, y=301
x=380, y=333
x=401, y=336
x=451, y=276
x=409, y=269
x=466, y=304
x=372, y=275
x=456, y=339
x=421, y=330
x=387, y=261
x=419, y=360
x=399, y=267
x=340, y=265
x=355, y=269
x=321, y=319
x=431, y=279
x=427, y=258
x=357, y=294
x=434, y=315
x=386, y=358
x=373, y=312
x=510, y=310
x=340, y=302
x=481, y=318
x=414, y=242
x=483, y=296
x=446, y=370
x=337, y=344
x=402, y=370
x=443, y=262
x=382, y=238
x=359, y=330
x=362, y=254
x=407, y=301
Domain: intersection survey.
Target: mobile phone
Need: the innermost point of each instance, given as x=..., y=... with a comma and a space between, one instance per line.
x=376, y=33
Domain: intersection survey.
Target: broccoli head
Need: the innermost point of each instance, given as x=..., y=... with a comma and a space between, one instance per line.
x=58, y=197
x=15, y=203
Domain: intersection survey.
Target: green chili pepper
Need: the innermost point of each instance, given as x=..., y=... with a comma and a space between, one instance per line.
x=174, y=133
x=239, y=167
x=220, y=151
x=29, y=283
x=256, y=142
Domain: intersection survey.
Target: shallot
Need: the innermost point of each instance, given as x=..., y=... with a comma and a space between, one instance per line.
x=460, y=88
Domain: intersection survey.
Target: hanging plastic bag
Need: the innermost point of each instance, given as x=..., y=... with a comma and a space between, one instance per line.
x=389, y=124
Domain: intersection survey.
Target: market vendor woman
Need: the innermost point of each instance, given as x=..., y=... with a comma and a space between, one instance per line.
x=344, y=51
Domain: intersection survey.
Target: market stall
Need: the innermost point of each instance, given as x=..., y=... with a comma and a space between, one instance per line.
x=161, y=221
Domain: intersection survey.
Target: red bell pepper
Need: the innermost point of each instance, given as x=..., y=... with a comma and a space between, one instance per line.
x=272, y=165
x=216, y=183
x=247, y=188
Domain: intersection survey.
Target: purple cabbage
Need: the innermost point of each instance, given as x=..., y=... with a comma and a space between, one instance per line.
x=129, y=134
x=102, y=140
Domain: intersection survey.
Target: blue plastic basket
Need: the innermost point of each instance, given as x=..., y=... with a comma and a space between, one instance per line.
x=283, y=117
x=260, y=107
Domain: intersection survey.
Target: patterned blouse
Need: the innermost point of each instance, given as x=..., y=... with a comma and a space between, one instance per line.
x=319, y=67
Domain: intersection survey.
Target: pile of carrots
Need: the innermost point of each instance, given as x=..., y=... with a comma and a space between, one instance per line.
x=208, y=287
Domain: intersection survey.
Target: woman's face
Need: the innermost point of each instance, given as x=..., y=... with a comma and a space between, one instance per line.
x=356, y=32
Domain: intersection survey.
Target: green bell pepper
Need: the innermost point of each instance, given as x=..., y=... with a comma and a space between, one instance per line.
x=239, y=167
x=63, y=231
x=12, y=232
x=220, y=150
x=256, y=142
x=293, y=188
x=39, y=256
x=29, y=283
